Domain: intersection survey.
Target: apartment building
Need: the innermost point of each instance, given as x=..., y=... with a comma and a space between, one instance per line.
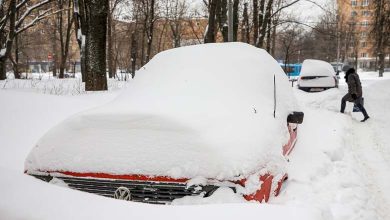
x=357, y=18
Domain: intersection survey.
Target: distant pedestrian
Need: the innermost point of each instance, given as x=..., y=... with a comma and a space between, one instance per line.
x=355, y=93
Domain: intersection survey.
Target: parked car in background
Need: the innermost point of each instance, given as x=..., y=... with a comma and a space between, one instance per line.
x=317, y=75
x=186, y=126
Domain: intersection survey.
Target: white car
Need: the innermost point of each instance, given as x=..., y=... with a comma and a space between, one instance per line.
x=317, y=75
x=193, y=120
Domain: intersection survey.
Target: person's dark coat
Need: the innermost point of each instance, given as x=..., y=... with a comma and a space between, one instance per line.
x=354, y=86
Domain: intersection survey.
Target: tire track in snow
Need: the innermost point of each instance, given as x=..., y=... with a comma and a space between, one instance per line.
x=365, y=149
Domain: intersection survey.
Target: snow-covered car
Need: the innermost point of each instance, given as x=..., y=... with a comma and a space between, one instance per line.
x=195, y=119
x=317, y=75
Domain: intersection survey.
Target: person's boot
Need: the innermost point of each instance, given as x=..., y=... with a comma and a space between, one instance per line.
x=363, y=110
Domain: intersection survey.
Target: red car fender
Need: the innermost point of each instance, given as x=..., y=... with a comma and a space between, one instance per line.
x=293, y=130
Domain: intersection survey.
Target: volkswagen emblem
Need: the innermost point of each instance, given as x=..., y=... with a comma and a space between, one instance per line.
x=122, y=193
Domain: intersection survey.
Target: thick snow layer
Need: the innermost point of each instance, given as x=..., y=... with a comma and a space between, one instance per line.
x=28, y=115
x=203, y=110
x=316, y=68
x=338, y=169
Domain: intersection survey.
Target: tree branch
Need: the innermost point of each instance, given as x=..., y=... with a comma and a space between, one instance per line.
x=29, y=11
x=285, y=6
x=37, y=19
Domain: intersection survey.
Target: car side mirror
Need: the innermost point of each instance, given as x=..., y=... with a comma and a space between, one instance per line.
x=295, y=117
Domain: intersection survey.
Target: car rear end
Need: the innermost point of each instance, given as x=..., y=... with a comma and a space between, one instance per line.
x=316, y=83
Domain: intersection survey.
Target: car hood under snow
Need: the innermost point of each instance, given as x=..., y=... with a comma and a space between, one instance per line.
x=204, y=110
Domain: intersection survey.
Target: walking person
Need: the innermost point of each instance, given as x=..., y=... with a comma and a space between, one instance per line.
x=355, y=93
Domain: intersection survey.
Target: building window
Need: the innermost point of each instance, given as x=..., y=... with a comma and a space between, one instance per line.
x=366, y=13
x=364, y=44
x=363, y=34
x=353, y=13
x=353, y=2
x=364, y=23
x=363, y=54
x=365, y=3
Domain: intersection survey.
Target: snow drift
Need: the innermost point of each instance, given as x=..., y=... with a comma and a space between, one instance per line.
x=203, y=110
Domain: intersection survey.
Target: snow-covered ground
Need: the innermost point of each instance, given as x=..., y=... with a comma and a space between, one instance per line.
x=47, y=84
x=339, y=168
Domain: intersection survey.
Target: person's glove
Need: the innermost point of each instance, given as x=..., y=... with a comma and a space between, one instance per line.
x=354, y=96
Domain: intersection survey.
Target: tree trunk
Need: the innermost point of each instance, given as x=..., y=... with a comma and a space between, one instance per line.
x=261, y=21
x=245, y=25
x=64, y=37
x=3, y=68
x=110, y=52
x=255, y=20
x=210, y=33
x=222, y=20
x=381, y=63
x=61, y=35
x=16, y=64
x=162, y=33
x=268, y=48
x=96, y=45
x=54, y=49
x=150, y=30
x=81, y=30
x=175, y=28
x=89, y=76
x=9, y=41
x=133, y=53
x=265, y=23
x=235, y=19
x=144, y=31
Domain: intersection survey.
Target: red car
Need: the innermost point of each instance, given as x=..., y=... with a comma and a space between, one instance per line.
x=220, y=113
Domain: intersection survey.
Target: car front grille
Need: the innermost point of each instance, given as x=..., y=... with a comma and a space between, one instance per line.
x=141, y=191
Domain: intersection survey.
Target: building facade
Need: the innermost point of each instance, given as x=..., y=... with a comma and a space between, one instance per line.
x=356, y=19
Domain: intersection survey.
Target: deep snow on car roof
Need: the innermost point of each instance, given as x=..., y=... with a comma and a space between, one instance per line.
x=312, y=67
x=204, y=110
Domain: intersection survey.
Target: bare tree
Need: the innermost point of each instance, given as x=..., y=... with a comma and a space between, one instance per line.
x=255, y=19
x=290, y=42
x=11, y=25
x=64, y=31
x=381, y=31
x=111, y=38
x=210, y=35
x=245, y=25
x=222, y=19
x=150, y=27
x=264, y=22
x=175, y=11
